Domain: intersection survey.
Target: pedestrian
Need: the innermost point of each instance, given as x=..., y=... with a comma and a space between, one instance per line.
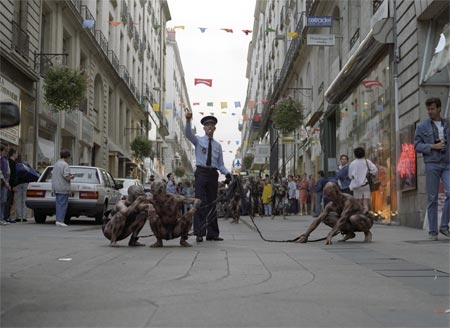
x=12, y=156
x=293, y=202
x=303, y=194
x=188, y=192
x=357, y=171
x=209, y=159
x=61, y=178
x=266, y=197
x=171, y=187
x=318, y=190
x=25, y=174
x=342, y=177
x=4, y=182
x=431, y=138
x=312, y=194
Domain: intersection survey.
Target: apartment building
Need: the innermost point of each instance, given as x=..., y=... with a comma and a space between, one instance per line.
x=362, y=70
x=119, y=47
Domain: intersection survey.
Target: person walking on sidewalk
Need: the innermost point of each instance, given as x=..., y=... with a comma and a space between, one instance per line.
x=432, y=138
x=342, y=177
x=318, y=189
x=61, y=178
x=357, y=171
x=12, y=157
x=266, y=197
x=209, y=159
x=4, y=182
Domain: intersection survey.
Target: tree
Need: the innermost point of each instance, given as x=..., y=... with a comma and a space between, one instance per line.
x=287, y=115
x=141, y=147
x=248, y=161
x=179, y=171
x=64, y=88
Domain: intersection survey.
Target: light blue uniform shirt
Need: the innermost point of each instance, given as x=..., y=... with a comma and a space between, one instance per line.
x=201, y=150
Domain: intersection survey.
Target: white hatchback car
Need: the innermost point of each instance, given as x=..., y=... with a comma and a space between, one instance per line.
x=93, y=191
x=127, y=183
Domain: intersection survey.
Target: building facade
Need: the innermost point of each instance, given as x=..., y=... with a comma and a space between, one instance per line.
x=362, y=77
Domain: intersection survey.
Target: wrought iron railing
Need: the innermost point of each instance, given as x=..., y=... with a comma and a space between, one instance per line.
x=102, y=41
x=114, y=60
x=123, y=72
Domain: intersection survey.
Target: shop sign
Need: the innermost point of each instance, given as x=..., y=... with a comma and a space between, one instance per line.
x=319, y=21
x=406, y=164
x=320, y=40
x=9, y=92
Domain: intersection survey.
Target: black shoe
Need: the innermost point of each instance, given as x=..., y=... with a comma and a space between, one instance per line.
x=214, y=238
x=444, y=232
x=199, y=239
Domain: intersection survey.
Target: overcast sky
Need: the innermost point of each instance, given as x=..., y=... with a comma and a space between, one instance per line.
x=217, y=55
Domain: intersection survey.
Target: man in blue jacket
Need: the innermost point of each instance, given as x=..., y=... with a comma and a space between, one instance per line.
x=318, y=189
x=431, y=139
x=342, y=177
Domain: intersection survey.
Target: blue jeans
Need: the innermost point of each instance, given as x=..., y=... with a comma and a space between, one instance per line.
x=434, y=172
x=3, y=198
x=319, y=196
x=62, y=202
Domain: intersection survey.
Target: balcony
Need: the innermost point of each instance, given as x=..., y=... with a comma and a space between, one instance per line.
x=102, y=41
x=86, y=15
x=123, y=72
x=114, y=60
x=20, y=40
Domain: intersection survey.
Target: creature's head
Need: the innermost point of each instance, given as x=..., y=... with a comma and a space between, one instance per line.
x=331, y=190
x=134, y=192
x=158, y=187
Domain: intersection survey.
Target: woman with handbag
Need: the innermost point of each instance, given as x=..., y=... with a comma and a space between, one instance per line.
x=359, y=171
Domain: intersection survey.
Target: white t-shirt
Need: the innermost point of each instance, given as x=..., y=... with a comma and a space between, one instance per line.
x=440, y=129
x=357, y=172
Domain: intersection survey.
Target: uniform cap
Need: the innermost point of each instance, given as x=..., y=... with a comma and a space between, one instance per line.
x=209, y=120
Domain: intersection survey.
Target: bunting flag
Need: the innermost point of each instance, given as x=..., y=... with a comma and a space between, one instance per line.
x=237, y=142
x=88, y=23
x=223, y=105
x=169, y=106
x=115, y=23
x=196, y=104
x=371, y=83
x=207, y=82
x=166, y=112
x=228, y=141
x=245, y=117
x=256, y=117
x=269, y=29
x=228, y=30
x=202, y=29
x=233, y=114
x=251, y=104
x=155, y=107
x=237, y=104
x=202, y=113
x=224, y=112
x=247, y=31
x=181, y=27
x=156, y=26
x=293, y=35
x=210, y=104
x=182, y=104
x=211, y=113
x=264, y=102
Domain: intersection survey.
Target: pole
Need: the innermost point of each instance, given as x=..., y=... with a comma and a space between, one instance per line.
x=396, y=100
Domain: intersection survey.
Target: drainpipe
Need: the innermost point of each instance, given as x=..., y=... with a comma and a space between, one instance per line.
x=396, y=100
x=36, y=100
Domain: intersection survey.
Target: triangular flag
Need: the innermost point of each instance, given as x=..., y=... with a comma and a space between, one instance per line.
x=237, y=104
x=196, y=104
x=211, y=113
x=247, y=31
x=210, y=104
x=224, y=112
x=269, y=29
x=169, y=106
x=88, y=23
x=207, y=82
x=223, y=105
x=156, y=26
x=201, y=113
x=228, y=141
x=166, y=112
x=202, y=29
x=181, y=104
x=237, y=142
x=264, y=102
x=180, y=27
x=115, y=23
x=293, y=35
x=228, y=30
x=251, y=104
x=233, y=113
x=256, y=117
x=155, y=107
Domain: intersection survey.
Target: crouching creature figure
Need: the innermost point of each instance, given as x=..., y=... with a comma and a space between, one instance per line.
x=344, y=214
x=166, y=221
x=117, y=226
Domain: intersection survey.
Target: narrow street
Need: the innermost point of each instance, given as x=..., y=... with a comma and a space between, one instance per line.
x=70, y=277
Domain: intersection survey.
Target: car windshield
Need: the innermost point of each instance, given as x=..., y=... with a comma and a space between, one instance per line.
x=82, y=175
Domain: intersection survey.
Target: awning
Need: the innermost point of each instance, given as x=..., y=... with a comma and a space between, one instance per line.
x=371, y=50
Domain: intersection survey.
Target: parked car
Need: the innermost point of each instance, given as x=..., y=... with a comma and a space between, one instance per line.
x=127, y=183
x=93, y=192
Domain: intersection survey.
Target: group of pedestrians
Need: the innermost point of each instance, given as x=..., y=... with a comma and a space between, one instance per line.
x=15, y=174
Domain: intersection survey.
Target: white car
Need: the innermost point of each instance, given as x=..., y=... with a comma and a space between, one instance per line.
x=127, y=183
x=93, y=192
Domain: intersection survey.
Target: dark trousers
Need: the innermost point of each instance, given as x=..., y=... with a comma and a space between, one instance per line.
x=205, y=219
x=9, y=204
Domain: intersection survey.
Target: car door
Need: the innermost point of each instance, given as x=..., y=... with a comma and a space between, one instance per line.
x=114, y=195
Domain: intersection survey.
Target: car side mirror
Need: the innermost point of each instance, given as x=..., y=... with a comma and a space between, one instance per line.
x=119, y=186
x=9, y=114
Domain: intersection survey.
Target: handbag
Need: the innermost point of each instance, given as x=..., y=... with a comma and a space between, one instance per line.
x=374, y=183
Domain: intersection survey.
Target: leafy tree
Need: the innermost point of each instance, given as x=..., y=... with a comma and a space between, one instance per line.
x=141, y=147
x=179, y=171
x=287, y=115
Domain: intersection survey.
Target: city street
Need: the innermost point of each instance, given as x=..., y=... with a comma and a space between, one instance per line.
x=70, y=277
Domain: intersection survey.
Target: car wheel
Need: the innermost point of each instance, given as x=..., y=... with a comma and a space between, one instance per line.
x=39, y=217
x=101, y=214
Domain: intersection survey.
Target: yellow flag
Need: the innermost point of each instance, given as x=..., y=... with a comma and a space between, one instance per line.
x=155, y=107
x=223, y=105
x=166, y=112
x=179, y=26
x=293, y=35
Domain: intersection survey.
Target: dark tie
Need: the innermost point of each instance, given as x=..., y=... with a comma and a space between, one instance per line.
x=208, y=158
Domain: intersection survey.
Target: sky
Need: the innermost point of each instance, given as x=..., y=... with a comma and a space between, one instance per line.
x=217, y=55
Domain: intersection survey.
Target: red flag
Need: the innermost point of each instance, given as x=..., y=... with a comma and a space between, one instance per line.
x=371, y=83
x=264, y=102
x=208, y=82
x=202, y=113
x=256, y=117
x=196, y=104
x=247, y=31
x=229, y=30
